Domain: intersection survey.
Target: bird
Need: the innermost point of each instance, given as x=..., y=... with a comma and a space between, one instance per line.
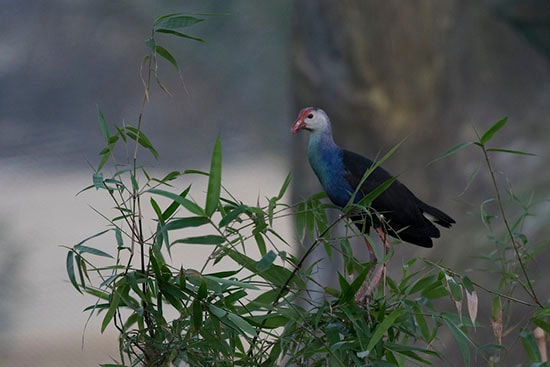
x=396, y=211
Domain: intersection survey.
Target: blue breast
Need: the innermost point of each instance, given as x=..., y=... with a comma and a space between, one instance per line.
x=325, y=157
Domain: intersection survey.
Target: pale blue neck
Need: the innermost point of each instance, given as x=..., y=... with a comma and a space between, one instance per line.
x=324, y=155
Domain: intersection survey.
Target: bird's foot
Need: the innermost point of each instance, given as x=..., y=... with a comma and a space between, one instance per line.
x=364, y=294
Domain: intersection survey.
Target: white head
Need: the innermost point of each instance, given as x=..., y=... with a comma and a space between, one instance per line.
x=311, y=119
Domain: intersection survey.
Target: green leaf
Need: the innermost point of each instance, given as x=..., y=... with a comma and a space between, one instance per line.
x=70, y=271
x=510, y=151
x=97, y=179
x=179, y=199
x=175, y=21
x=113, y=305
x=174, y=205
x=266, y=261
x=283, y=189
x=91, y=237
x=467, y=284
x=452, y=151
x=461, y=338
x=196, y=314
x=202, y=240
x=186, y=222
x=383, y=328
x=492, y=130
x=90, y=250
x=260, y=242
x=167, y=55
x=422, y=324
x=241, y=324
x=140, y=137
x=169, y=177
x=230, y=282
x=232, y=215
x=214, y=180
x=103, y=124
x=179, y=34
x=529, y=345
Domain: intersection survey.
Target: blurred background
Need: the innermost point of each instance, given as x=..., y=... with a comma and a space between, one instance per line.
x=430, y=71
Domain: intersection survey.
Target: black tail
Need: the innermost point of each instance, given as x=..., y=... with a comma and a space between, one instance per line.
x=438, y=216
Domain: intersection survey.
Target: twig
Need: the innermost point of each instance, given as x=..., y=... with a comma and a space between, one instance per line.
x=529, y=286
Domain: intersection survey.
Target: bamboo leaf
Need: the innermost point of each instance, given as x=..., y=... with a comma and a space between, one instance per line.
x=179, y=199
x=510, y=151
x=167, y=55
x=97, y=178
x=260, y=242
x=383, y=328
x=103, y=124
x=492, y=131
x=179, y=34
x=140, y=137
x=266, y=261
x=70, y=271
x=214, y=180
x=196, y=314
x=175, y=21
x=201, y=240
x=232, y=215
x=90, y=250
x=461, y=338
x=91, y=237
x=174, y=205
x=529, y=345
x=186, y=222
x=241, y=324
x=113, y=305
x=452, y=151
x=230, y=282
x=283, y=189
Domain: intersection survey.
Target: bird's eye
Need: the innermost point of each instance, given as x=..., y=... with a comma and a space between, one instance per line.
x=310, y=116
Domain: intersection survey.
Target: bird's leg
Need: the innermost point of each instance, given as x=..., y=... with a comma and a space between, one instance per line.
x=374, y=276
x=372, y=279
x=384, y=237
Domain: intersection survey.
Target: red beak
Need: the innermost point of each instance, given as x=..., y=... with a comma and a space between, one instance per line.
x=298, y=125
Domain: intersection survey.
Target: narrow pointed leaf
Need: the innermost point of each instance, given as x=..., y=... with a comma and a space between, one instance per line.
x=202, y=240
x=492, y=131
x=266, y=261
x=167, y=55
x=283, y=189
x=214, y=180
x=103, y=124
x=113, y=306
x=140, y=137
x=70, y=271
x=510, y=151
x=186, y=222
x=176, y=21
x=179, y=34
x=181, y=200
x=452, y=151
x=90, y=250
x=461, y=338
x=383, y=328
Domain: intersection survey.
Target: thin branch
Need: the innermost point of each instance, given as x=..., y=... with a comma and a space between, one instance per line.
x=529, y=286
